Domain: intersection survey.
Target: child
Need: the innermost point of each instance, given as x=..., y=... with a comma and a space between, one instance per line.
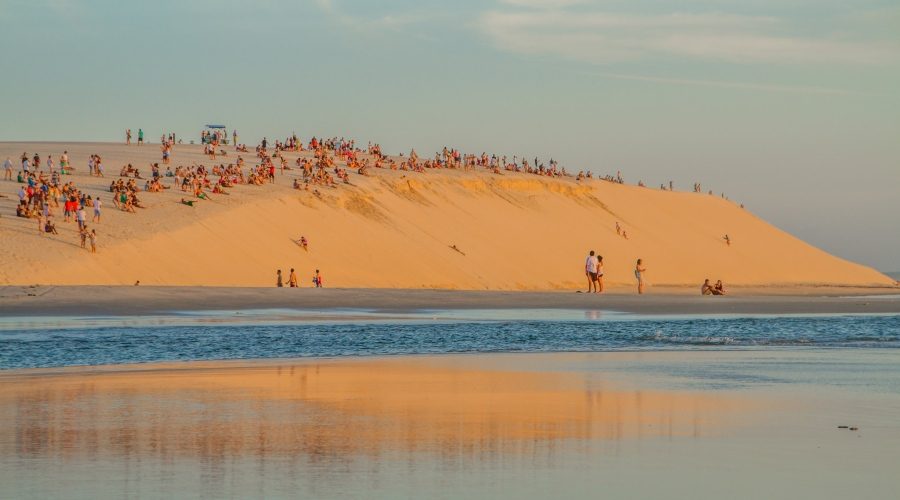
x=317, y=279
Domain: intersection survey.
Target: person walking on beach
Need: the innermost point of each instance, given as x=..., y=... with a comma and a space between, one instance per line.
x=278, y=282
x=639, y=271
x=7, y=169
x=590, y=270
x=140, y=136
x=292, y=279
x=599, y=274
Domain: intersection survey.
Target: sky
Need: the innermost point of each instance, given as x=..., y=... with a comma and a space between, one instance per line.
x=791, y=107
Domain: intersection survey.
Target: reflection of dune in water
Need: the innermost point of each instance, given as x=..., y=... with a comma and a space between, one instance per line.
x=331, y=411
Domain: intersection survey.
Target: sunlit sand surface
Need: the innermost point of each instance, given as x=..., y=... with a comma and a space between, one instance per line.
x=375, y=427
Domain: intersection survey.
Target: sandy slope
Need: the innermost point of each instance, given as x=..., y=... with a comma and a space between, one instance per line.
x=395, y=229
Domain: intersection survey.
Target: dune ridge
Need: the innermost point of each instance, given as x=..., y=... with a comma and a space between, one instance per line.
x=397, y=230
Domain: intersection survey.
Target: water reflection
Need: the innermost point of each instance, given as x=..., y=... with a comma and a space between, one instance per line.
x=321, y=418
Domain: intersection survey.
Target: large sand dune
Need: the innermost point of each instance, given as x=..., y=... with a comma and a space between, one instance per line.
x=395, y=229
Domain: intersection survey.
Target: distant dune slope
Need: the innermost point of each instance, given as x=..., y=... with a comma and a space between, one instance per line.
x=397, y=229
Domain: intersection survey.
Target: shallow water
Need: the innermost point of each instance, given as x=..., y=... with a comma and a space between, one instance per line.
x=520, y=404
x=285, y=334
x=698, y=424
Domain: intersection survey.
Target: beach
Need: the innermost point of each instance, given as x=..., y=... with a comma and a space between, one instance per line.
x=144, y=300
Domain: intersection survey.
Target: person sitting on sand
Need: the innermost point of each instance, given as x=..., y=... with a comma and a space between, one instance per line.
x=639, y=271
x=49, y=227
x=304, y=243
x=719, y=289
x=706, y=289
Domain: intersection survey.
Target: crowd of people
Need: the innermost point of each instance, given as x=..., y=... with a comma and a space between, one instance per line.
x=328, y=163
x=40, y=193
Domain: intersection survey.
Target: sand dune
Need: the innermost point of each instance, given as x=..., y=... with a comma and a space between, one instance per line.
x=396, y=229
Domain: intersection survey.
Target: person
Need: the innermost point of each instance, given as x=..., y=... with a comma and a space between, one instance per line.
x=83, y=234
x=304, y=243
x=599, y=274
x=97, y=205
x=140, y=136
x=80, y=216
x=719, y=289
x=7, y=169
x=317, y=279
x=128, y=136
x=93, y=237
x=590, y=270
x=292, y=279
x=706, y=289
x=639, y=271
x=188, y=203
x=278, y=282
x=727, y=240
x=50, y=227
x=618, y=229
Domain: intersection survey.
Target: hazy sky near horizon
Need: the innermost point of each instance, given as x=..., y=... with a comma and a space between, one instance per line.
x=789, y=106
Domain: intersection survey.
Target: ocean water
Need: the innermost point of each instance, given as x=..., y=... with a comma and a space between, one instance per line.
x=290, y=334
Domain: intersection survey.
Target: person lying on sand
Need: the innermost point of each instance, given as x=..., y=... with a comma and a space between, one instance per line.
x=186, y=202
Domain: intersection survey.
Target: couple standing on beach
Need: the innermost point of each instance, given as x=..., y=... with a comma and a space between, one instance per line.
x=593, y=269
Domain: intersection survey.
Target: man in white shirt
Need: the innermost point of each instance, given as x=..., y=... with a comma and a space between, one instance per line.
x=590, y=270
x=97, y=205
x=7, y=169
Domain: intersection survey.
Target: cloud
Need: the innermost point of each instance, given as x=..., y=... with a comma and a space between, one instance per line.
x=575, y=30
x=765, y=87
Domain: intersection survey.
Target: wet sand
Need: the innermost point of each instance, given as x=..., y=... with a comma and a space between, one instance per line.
x=507, y=426
x=141, y=300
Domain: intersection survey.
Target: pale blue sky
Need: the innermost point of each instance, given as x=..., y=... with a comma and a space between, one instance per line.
x=790, y=106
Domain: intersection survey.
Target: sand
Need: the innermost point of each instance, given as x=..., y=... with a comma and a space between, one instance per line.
x=396, y=229
x=144, y=300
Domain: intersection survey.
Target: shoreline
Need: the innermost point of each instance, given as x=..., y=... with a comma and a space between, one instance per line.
x=24, y=301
